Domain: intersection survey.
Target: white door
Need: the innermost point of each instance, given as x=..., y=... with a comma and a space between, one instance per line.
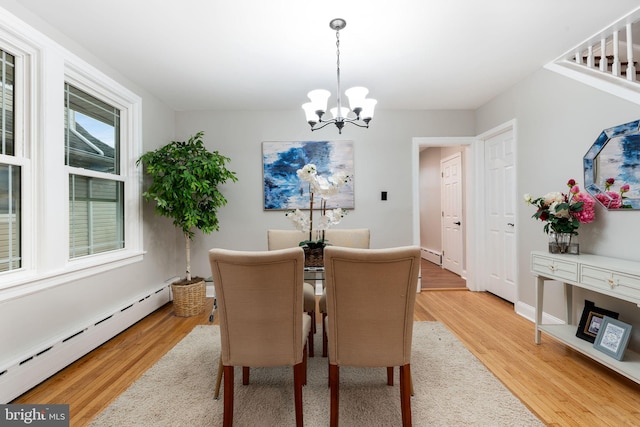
x=451, y=169
x=500, y=198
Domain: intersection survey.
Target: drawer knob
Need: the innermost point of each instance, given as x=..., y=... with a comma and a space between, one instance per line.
x=612, y=283
x=552, y=267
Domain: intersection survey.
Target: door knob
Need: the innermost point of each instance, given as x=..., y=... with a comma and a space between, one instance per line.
x=457, y=223
x=510, y=224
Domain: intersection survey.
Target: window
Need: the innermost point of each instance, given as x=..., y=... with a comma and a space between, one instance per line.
x=70, y=203
x=10, y=172
x=96, y=190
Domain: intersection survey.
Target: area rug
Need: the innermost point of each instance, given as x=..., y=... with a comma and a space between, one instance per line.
x=452, y=388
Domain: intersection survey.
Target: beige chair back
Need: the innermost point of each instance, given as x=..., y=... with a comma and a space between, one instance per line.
x=350, y=238
x=259, y=298
x=282, y=239
x=370, y=300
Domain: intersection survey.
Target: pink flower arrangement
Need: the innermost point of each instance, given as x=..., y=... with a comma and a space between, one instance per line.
x=562, y=212
x=611, y=199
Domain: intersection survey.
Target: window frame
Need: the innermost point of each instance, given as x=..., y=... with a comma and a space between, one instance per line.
x=42, y=68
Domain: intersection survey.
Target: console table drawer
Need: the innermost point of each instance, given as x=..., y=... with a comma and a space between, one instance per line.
x=623, y=284
x=554, y=268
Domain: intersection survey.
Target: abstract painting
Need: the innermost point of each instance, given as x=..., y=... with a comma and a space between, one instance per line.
x=615, y=155
x=283, y=190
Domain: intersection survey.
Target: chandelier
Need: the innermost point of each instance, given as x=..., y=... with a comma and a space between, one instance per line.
x=361, y=111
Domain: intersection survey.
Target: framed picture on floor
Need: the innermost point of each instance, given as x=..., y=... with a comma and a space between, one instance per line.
x=613, y=337
x=591, y=321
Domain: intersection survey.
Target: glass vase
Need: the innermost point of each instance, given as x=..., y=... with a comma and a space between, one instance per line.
x=563, y=243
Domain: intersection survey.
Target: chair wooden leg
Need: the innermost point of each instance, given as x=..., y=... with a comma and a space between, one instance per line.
x=334, y=380
x=245, y=375
x=227, y=418
x=390, y=375
x=405, y=394
x=325, y=340
x=305, y=363
x=298, y=380
x=310, y=339
x=216, y=395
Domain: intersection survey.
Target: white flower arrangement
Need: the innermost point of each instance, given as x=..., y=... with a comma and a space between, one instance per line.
x=324, y=188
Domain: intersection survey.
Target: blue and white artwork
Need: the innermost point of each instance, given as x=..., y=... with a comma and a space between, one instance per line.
x=283, y=190
x=615, y=154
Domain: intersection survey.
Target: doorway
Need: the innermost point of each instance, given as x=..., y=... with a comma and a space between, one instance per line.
x=442, y=149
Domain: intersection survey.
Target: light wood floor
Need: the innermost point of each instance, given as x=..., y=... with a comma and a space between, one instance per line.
x=436, y=278
x=559, y=385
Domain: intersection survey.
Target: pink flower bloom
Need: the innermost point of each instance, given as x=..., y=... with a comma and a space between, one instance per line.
x=608, y=183
x=571, y=183
x=624, y=188
x=588, y=212
x=614, y=201
x=575, y=189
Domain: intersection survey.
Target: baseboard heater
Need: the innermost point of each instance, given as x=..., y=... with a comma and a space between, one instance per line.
x=35, y=367
x=432, y=256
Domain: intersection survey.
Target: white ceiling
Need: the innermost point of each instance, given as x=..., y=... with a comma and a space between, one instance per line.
x=261, y=54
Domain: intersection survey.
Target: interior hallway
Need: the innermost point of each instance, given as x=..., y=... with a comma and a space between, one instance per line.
x=435, y=277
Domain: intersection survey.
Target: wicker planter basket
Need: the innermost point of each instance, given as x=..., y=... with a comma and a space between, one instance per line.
x=313, y=257
x=189, y=300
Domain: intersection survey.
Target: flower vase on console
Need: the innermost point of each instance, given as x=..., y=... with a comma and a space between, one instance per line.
x=563, y=213
x=563, y=243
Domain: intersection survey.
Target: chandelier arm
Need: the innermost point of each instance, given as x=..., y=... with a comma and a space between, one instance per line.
x=324, y=125
x=353, y=122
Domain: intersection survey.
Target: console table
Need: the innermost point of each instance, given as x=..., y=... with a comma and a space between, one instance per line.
x=609, y=276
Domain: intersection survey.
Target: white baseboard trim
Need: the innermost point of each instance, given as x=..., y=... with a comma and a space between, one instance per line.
x=529, y=312
x=31, y=369
x=431, y=255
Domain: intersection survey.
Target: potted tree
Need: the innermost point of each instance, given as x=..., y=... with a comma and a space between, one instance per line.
x=185, y=179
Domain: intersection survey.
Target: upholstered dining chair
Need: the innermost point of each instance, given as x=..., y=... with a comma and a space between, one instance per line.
x=262, y=323
x=282, y=239
x=370, y=300
x=347, y=238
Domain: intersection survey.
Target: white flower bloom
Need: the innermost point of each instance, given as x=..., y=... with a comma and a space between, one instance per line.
x=553, y=197
x=560, y=213
x=528, y=198
x=339, y=179
x=334, y=216
x=307, y=173
x=300, y=219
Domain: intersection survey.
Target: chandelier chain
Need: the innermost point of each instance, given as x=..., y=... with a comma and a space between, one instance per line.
x=338, y=94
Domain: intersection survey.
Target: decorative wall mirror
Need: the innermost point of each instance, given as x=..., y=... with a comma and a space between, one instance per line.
x=612, y=167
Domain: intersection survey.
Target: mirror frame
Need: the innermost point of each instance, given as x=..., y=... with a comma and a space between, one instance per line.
x=627, y=163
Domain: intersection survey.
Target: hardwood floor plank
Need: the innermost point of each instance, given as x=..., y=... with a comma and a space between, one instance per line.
x=562, y=387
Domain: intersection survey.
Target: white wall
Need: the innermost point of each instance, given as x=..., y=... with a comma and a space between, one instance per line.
x=430, y=199
x=382, y=163
x=558, y=120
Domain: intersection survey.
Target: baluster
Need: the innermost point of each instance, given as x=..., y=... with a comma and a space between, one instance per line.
x=578, y=57
x=615, y=66
x=631, y=67
x=590, y=57
x=604, y=62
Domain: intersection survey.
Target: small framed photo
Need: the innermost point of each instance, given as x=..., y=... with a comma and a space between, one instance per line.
x=591, y=321
x=613, y=337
